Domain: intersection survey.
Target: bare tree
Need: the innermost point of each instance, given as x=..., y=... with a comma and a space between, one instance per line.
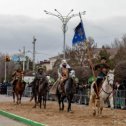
x=78, y=54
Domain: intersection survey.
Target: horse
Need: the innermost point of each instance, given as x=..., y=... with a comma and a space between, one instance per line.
x=105, y=93
x=18, y=90
x=69, y=90
x=39, y=91
x=42, y=92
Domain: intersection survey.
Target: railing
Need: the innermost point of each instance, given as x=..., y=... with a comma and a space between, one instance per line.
x=82, y=97
x=27, y=91
x=120, y=99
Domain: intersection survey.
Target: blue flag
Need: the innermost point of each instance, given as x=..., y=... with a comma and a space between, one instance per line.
x=79, y=35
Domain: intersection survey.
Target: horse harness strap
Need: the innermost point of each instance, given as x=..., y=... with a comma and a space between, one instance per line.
x=109, y=93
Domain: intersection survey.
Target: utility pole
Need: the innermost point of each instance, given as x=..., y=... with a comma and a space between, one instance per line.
x=5, y=76
x=64, y=20
x=24, y=58
x=6, y=59
x=34, y=41
x=27, y=67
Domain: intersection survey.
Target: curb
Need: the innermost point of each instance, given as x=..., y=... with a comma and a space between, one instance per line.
x=20, y=119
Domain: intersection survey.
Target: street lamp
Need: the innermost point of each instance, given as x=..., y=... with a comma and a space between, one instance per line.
x=64, y=20
x=34, y=40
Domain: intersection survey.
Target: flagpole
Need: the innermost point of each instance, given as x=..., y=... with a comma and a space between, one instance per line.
x=80, y=16
x=89, y=55
x=90, y=61
x=88, y=51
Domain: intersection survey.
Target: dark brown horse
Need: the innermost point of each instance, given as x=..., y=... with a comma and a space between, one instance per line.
x=42, y=92
x=18, y=90
x=39, y=91
x=69, y=89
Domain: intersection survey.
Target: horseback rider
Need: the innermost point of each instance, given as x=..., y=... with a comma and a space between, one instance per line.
x=101, y=71
x=102, y=68
x=63, y=74
x=41, y=74
x=18, y=74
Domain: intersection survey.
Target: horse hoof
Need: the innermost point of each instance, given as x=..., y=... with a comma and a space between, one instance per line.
x=100, y=116
x=34, y=107
x=70, y=111
x=94, y=113
x=112, y=108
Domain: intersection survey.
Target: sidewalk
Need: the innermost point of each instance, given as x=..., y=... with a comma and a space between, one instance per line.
x=4, y=121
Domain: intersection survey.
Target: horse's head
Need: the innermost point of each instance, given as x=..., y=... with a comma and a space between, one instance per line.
x=110, y=77
x=72, y=74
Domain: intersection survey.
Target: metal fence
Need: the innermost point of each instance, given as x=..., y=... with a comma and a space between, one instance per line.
x=120, y=99
x=82, y=97
x=27, y=91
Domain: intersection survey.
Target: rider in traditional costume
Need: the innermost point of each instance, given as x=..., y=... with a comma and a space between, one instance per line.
x=63, y=74
x=101, y=71
x=18, y=74
x=41, y=74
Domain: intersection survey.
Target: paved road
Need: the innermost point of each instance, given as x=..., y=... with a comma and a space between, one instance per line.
x=4, y=121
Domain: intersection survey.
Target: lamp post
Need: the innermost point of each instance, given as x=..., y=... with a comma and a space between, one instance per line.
x=24, y=58
x=64, y=20
x=5, y=76
x=34, y=40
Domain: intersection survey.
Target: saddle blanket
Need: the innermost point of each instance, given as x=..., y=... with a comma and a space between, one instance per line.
x=54, y=88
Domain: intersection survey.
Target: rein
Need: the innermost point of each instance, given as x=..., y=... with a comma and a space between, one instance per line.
x=109, y=93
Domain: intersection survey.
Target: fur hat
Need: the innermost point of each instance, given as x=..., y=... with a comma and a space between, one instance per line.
x=64, y=61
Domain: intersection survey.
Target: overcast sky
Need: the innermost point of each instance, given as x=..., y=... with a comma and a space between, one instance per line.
x=20, y=20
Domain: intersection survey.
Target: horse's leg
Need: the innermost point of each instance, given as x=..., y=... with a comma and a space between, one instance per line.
x=44, y=101
x=13, y=97
x=92, y=103
x=111, y=101
x=62, y=101
x=101, y=107
x=98, y=105
x=40, y=101
x=35, y=99
x=69, y=103
x=31, y=98
x=20, y=98
x=17, y=98
x=59, y=100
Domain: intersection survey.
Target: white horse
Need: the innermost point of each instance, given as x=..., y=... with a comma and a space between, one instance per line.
x=105, y=92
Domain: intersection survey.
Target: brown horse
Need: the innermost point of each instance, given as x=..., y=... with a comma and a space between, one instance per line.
x=18, y=90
